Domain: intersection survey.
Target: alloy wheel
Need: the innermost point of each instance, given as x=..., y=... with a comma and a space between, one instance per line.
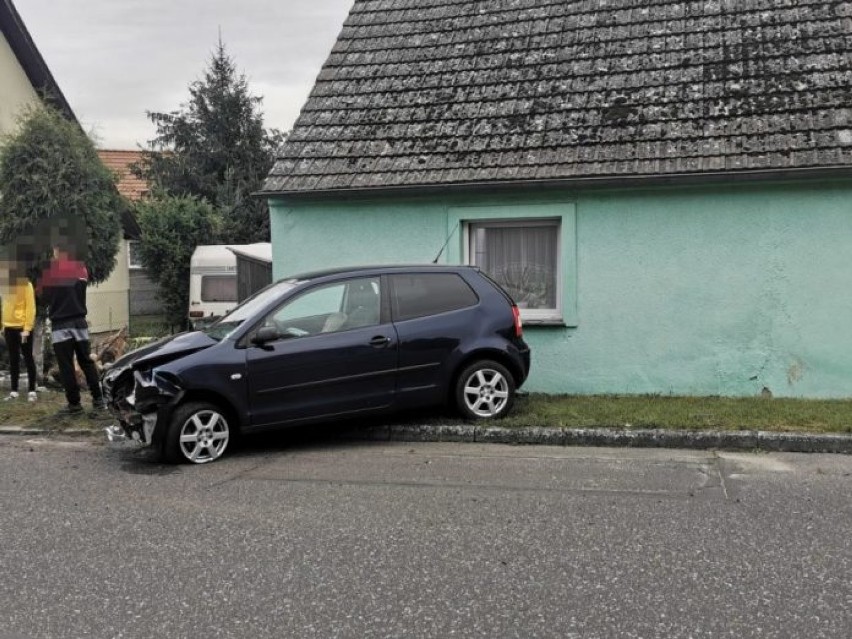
x=204, y=436
x=486, y=392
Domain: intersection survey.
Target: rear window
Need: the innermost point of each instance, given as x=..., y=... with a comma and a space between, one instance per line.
x=422, y=294
x=219, y=288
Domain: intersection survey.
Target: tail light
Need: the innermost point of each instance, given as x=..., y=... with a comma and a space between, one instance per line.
x=196, y=313
x=519, y=326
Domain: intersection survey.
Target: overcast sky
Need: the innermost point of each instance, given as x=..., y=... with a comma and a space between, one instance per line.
x=116, y=59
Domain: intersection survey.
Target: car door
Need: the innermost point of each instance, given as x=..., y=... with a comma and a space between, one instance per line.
x=432, y=316
x=336, y=354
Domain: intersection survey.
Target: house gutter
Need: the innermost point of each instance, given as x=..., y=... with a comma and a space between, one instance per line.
x=611, y=182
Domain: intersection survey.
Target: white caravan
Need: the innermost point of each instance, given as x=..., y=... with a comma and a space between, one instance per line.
x=212, y=282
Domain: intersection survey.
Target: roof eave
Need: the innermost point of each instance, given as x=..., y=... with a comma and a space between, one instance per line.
x=678, y=179
x=31, y=61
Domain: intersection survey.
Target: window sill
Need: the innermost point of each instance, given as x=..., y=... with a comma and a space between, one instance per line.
x=544, y=322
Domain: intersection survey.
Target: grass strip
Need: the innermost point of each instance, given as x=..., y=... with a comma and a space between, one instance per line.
x=690, y=413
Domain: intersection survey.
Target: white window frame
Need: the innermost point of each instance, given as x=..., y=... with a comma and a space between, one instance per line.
x=130, y=263
x=527, y=314
x=460, y=219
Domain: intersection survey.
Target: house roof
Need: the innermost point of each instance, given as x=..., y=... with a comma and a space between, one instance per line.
x=128, y=185
x=30, y=59
x=420, y=93
x=119, y=162
x=258, y=252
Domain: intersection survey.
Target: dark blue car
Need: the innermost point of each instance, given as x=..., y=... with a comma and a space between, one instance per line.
x=322, y=346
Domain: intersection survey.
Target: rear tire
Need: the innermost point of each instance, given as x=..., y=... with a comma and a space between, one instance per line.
x=198, y=433
x=485, y=390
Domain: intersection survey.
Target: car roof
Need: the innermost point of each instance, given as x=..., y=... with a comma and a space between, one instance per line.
x=380, y=269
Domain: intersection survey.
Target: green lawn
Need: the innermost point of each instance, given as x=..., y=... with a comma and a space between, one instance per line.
x=41, y=414
x=606, y=411
x=693, y=413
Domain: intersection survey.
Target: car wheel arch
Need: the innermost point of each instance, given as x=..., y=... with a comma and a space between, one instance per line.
x=495, y=355
x=230, y=412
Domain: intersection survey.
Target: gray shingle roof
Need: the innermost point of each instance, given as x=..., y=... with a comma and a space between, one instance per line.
x=429, y=92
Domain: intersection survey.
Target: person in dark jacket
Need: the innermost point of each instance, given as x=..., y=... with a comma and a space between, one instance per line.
x=63, y=288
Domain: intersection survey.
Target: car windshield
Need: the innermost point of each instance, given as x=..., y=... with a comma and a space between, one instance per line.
x=223, y=328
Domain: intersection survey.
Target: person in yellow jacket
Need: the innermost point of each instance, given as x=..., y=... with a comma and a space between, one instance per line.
x=18, y=320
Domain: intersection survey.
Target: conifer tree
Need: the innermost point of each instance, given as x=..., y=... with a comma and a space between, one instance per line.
x=216, y=148
x=52, y=182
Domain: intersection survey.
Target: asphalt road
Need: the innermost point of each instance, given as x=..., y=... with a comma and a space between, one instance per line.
x=329, y=539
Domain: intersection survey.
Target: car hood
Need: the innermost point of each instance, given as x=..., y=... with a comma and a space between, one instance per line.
x=164, y=350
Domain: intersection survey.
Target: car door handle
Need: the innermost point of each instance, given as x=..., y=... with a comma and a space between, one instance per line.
x=379, y=341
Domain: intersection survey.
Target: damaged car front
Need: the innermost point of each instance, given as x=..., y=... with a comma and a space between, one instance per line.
x=141, y=394
x=175, y=379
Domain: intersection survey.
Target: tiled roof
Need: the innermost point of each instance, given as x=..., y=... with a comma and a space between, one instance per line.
x=436, y=92
x=130, y=186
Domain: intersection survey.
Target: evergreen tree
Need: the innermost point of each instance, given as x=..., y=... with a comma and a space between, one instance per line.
x=216, y=148
x=52, y=183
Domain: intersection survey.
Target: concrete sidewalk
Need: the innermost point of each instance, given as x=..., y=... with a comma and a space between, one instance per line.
x=745, y=440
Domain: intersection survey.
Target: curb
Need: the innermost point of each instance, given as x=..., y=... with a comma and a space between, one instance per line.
x=742, y=440
x=26, y=430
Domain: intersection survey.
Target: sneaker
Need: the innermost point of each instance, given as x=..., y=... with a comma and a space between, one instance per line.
x=31, y=396
x=13, y=395
x=99, y=409
x=69, y=409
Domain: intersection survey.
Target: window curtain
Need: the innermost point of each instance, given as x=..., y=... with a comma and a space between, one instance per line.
x=522, y=259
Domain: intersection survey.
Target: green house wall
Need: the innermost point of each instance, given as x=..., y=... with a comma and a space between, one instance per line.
x=722, y=290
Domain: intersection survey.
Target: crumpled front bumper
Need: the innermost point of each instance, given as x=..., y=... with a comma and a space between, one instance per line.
x=138, y=427
x=142, y=414
x=115, y=433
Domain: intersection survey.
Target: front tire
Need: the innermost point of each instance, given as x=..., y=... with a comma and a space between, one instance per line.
x=485, y=390
x=198, y=433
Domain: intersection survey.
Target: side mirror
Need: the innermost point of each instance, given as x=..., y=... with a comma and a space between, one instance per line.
x=265, y=335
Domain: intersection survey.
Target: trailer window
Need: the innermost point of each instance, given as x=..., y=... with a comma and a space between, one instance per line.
x=218, y=288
